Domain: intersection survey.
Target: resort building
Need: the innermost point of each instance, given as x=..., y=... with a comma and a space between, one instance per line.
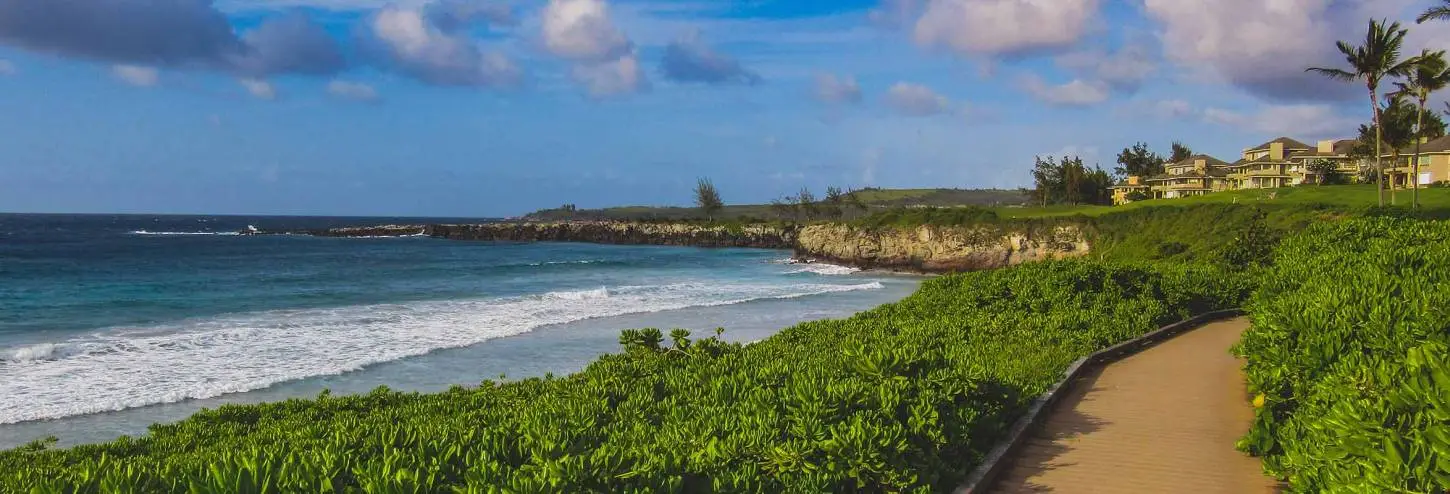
x=1194, y=176
x=1127, y=190
x=1286, y=162
x=1434, y=165
x=1338, y=152
x=1269, y=165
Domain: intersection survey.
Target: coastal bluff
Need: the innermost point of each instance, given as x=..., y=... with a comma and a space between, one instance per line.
x=926, y=249
x=934, y=249
x=598, y=232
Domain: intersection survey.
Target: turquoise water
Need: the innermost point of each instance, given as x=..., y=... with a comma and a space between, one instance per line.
x=111, y=323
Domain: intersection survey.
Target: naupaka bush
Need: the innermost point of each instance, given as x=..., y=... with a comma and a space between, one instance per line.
x=1348, y=358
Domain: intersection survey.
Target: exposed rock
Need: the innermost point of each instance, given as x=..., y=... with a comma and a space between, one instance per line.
x=624, y=233
x=937, y=249
x=926, y=249
x=376, y=231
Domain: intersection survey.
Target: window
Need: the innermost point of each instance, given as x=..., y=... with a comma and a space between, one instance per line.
x=1424, y=160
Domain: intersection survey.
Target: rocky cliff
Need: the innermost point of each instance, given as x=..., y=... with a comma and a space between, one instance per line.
x=624, y=233
x=937, y=249
x=922, y=249
x=599, y=232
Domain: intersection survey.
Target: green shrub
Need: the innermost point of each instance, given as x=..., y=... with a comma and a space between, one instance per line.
x=1348, y=353
x=907, y=397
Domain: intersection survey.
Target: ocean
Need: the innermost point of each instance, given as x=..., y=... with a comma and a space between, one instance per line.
x=109, y=323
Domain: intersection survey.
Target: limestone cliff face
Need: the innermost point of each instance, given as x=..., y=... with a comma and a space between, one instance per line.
x=599, y=232
x=937, y=249
x=925, y=249
x=612, y=232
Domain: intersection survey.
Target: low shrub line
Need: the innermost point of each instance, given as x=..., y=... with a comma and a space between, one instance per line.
x=1349, y=358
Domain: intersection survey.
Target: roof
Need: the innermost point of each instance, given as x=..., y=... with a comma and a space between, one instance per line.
x=1212, y=173
x=1261, y=159
x=1342, y=147
x=1438, y=145
x=1287, y=142
x=1211, y=161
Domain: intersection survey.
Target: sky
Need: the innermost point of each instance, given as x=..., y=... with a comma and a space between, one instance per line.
x=497, y=108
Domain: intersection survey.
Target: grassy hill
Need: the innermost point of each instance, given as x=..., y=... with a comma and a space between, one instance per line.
x=1348, y=196
x=873, y=199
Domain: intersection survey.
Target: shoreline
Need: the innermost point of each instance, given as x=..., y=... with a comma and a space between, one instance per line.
x=922, y=250
x=560, y=349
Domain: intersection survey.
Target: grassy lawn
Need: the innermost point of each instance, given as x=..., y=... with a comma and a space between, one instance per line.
x=1355, y=196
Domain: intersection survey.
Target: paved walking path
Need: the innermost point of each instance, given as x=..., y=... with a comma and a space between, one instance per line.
x=1164, y=420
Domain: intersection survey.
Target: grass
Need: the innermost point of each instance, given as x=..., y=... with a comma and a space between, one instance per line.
x=1348, y=196
x=874, y=199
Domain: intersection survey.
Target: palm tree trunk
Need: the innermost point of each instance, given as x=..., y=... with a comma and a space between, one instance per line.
x=1374, y=100
x=1419, y=139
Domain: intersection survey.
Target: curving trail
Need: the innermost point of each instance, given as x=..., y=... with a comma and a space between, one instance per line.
x=1164, y=420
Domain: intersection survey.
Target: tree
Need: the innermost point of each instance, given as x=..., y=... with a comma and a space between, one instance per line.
x=1140, y=161
x=707, y=198
x=1181, y=152
x=783, y=207
x=1400, y=117
x=835, y=200
x=1069, y=181
x=1437, y=13
x=806, y=203
x=855, y=200
x=1376, y=59
x=1429, y=74
x=1328, y=172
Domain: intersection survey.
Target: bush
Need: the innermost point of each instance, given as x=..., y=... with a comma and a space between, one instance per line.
x=905, y=397
x=914, y=217
x=1348, y=356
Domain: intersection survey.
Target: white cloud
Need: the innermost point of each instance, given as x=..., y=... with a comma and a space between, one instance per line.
x=136, y=75
x=352, y=90
x=832, y=89
x=605, y=79
x=1165, y=109
x=896, y=13
x=1310, y=121
x=582, y=30
x=334, y=5
x=916, y=100
x=1264, y=46
x=259, y=89
x=1076, y=93
x=1124, y=70
x=1005, y=27
x=421, y=50
x=1173, y=108
x=6, y=67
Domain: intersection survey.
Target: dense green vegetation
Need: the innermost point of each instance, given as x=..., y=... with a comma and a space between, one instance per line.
x=1349, y=197
x=1235, y=234
x=1350, y=356
x=905, y=397
x=872, y=198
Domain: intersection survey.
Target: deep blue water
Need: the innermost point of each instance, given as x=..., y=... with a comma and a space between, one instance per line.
x=106, y=313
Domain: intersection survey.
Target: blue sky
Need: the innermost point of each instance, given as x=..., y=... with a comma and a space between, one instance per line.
x=489, y=108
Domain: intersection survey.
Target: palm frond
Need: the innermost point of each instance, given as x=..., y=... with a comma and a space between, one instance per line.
x=1435, y=13
x=1336, y=74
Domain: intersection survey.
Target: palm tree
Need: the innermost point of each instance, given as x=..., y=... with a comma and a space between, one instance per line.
x=1430, y=74
x=1377, y=59
x=1440, y=13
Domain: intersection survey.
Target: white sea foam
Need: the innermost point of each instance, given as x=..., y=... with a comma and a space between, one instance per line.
x=825, y=269
x=144, y=232
x=124, y=368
